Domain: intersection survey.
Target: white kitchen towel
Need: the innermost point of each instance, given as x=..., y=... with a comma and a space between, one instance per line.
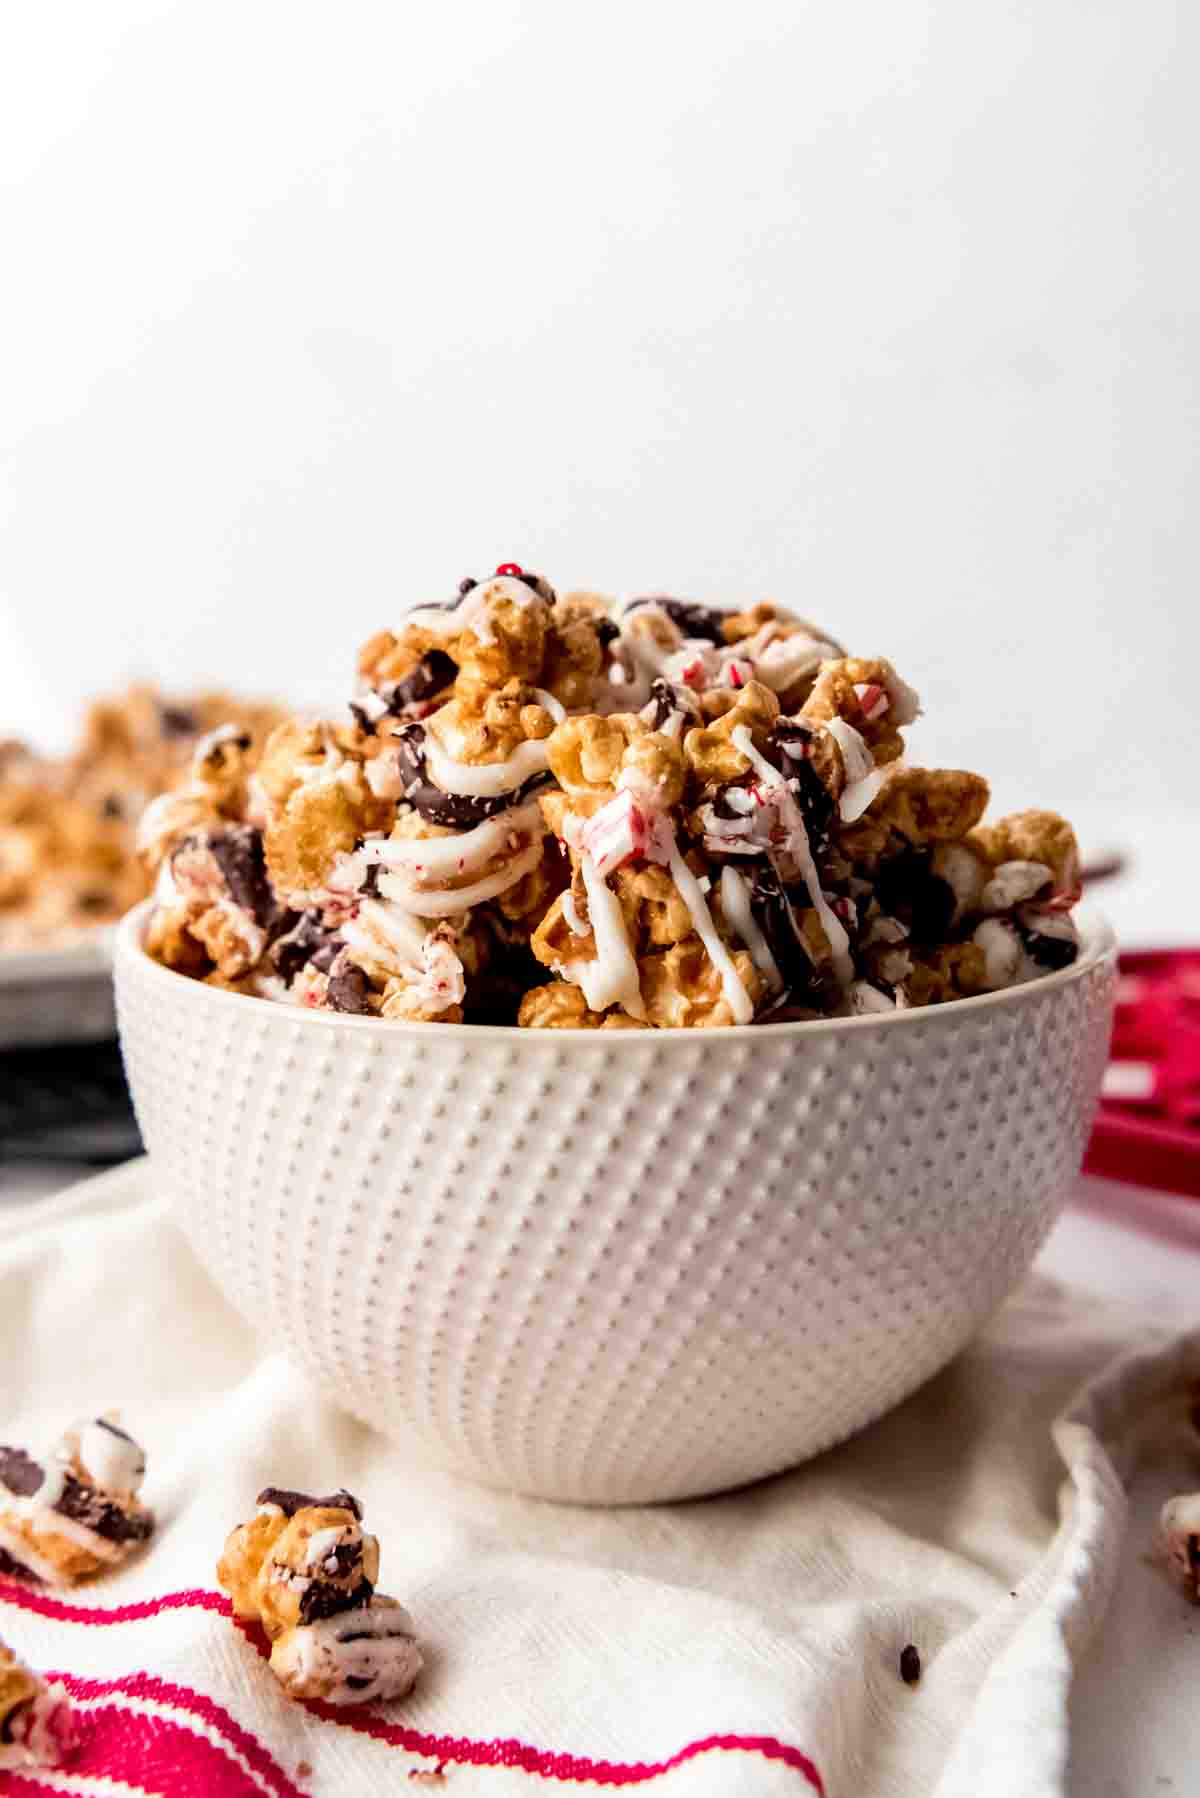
x=748, y=1644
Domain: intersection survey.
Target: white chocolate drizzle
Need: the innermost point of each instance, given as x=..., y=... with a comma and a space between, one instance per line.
x=463, y=852
x=485, y=780
x=736, y=996
x=735, y=903
x=445, y=902
x=611, y=976
x=473, y=612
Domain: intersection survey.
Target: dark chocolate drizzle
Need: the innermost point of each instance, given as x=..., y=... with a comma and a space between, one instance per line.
x=777, y=908
x=810, y=791
x=666, y=700
x=103, y=1423
x=19, y=1472
x=458, y=811
x=289, y=1502
x=693, y=620
x=397, y=1633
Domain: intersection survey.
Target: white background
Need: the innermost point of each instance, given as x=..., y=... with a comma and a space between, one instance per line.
x=885, y=309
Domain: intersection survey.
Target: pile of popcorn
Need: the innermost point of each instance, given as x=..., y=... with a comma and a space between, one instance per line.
x=545, y=810
x=68, y=852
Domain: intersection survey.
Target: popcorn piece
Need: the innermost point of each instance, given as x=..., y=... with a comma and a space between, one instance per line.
x=682, y=988
x=1013, y=883
x=77, y=1514
x=305, y=1569
x=837, y=694
x=1178, y=1544
x=36, y=1726
x=299, y=1559
x=1033, y=836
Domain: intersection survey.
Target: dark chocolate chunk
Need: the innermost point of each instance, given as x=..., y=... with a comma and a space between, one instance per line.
x=306, y=942
x=910, y=1665
x=355, y=1683
x=1049, y=952
x=365, y=724
x=607, y=632
x=237, y=850
x=464, y=587
x=96, y=1512
x=370, y=885
x=347, y=991
x=112, y=807
x=693, y=620
x=458, y=811
x=19, y=1472
x=907, y=888
x=433, y=672
x=319, y=1600
x=289, y=1502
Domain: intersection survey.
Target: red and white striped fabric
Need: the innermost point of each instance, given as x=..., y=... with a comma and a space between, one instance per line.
x=749, y=1645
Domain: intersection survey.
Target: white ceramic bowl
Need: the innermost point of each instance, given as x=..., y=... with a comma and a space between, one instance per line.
x=616, y=1266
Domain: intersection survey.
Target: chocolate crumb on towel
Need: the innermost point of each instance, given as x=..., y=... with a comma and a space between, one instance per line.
x=910, y=1665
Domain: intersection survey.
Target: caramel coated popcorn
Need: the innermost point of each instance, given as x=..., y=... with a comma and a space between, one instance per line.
x=68, y=848
x=305, y=1569
x=554, y=812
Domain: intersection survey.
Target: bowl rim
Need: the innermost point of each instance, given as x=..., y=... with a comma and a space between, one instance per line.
x=1098, y=946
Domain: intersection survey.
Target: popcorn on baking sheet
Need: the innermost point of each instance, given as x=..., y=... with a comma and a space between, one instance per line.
x=69, y=860
x=305, y=1569
x=76, y=1512
x=551, y=811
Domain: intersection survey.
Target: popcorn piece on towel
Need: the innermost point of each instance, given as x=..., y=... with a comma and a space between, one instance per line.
x=79, y=1512
x=305, y=1569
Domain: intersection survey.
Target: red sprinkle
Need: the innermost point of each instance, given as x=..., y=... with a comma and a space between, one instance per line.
x=511, y=568
x=734, y=676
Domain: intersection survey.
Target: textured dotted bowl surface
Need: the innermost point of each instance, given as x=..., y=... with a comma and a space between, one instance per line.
x=619, y=1266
